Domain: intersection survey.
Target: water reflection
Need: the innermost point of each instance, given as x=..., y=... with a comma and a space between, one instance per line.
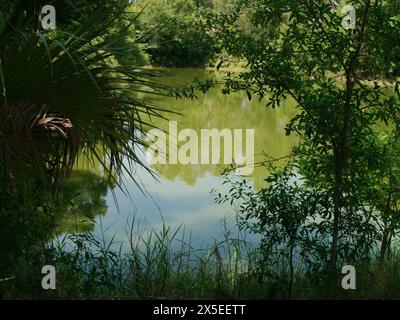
x=84, y=193
x=234, y=111
x=182, y=194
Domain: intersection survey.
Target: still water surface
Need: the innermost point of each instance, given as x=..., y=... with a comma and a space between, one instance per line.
x=181, y=196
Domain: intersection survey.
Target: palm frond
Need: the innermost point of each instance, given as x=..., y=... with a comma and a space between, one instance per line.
x=62, y=93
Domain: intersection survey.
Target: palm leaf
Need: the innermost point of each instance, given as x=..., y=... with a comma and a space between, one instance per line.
x=62, y=93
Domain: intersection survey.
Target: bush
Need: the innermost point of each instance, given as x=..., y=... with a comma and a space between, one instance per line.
x=179, y=38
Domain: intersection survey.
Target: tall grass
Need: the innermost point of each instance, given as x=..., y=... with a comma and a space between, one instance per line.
x=168, y=264
x=161, y=264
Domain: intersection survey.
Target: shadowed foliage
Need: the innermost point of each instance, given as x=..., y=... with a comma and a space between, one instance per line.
x=63, y=92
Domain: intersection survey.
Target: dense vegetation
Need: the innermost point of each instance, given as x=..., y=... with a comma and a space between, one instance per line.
x=176, y=36
x=62, y=95
x=337, y=199
x=76, y=92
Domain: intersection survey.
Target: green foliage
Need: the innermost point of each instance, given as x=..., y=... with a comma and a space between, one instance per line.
x=63, y=95
x=311, y=59
x=77, y=90
x=160, y=264
x=165, y=265
x=26, y=222
x=176, y=34
x=63, y=92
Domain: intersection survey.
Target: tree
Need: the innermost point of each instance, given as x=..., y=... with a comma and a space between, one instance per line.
x=175, y=33
x=313, y=60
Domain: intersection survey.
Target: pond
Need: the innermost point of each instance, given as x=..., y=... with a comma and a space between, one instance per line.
x=182, y=195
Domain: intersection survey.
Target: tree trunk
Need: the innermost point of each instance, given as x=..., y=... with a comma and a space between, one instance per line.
x=386, y=233
x=340, y=151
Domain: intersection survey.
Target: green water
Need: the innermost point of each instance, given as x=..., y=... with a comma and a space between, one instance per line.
x=181, y=196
